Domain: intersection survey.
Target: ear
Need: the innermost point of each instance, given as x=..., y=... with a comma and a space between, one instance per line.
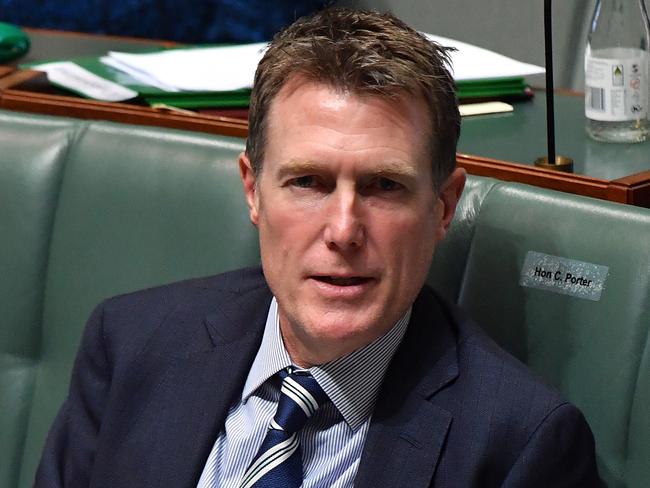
x=448, y=198
x=249, y=181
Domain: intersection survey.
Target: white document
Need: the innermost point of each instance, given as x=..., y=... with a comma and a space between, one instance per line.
x=138, y=76
x=483, y=108
x=471, y=62
x=196, y=69
x=76, y=78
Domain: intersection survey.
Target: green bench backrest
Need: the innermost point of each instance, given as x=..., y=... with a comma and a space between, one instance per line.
x=591, y=350
x=32, y=154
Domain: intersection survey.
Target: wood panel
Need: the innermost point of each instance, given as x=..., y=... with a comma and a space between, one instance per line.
x=13, y=98
x=633, y=189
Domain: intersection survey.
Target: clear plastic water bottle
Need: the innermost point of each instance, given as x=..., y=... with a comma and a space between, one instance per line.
x=617, y=72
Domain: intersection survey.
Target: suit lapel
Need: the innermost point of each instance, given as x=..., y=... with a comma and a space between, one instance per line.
x=200, y=388
x=408, y=429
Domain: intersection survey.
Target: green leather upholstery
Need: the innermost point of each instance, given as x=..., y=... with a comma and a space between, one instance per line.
x=93, y=209
x=591, y=350
x=30, y=174
x=446, y=273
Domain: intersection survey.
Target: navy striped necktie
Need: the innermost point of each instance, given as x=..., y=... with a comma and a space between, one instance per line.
x=278, y=462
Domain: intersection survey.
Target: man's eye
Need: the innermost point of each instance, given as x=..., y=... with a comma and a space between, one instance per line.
x=303, y=181
x=385, y=184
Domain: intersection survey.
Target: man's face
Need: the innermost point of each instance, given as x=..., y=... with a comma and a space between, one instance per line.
x=347, y=215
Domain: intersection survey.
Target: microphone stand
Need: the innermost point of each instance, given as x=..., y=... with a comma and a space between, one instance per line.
x=550, y=102
x=552, y=161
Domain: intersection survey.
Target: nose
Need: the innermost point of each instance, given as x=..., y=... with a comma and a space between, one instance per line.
x=344, y=229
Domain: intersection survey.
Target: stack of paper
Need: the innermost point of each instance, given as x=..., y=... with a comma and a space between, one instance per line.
x=208, y=69
x=222, y=76
x=471, y=62
x=483, y=74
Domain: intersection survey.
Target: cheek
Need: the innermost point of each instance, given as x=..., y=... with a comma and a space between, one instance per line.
x=408, y=243
x=287, y=230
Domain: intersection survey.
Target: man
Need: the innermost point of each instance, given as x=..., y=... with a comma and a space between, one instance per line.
x=332, y=365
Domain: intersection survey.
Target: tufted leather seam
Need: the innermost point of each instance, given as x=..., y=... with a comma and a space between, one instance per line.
x=28, y=359
x=73, y=136
x=463, y=280
x=645, y=354
x=79, y=130
x=29, y=364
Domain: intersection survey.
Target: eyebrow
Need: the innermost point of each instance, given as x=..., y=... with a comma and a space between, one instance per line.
x=294, y=167
x=388, y=169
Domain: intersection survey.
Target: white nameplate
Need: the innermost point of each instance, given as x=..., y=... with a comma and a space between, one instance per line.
x=562, y=275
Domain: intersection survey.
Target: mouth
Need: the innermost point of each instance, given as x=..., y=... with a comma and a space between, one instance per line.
x=343, y=280
x=347, y=288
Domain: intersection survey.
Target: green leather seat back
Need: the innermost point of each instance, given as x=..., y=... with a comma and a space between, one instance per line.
x=30, y=174
x=638, y=445
x=449, y=260
x=138, y=207
x=592, y=350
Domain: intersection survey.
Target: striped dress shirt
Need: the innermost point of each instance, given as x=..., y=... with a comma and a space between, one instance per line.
x=332, y=440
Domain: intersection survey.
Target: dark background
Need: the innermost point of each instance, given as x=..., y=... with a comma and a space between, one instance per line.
x=188, y=21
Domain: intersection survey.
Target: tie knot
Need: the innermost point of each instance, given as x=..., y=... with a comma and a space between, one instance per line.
x=300, y=397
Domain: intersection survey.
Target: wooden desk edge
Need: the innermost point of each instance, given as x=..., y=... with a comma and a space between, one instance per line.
x=6, y=70
x=119, y=112
x=637, y=187
x=634, y=189
x=15, y=76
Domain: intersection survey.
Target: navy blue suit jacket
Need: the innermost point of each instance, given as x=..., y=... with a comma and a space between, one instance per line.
x=157, y=371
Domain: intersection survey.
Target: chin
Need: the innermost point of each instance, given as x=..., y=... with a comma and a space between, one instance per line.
x=344, y=331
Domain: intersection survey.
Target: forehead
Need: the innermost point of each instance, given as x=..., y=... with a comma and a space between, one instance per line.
x=309, y=114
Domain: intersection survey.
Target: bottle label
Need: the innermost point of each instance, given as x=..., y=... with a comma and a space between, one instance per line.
x=616, y=89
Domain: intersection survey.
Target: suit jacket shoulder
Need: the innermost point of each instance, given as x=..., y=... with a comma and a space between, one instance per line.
x=130, y=321
x=152, y=383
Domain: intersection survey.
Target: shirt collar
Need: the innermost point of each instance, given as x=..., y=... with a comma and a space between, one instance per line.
x=351, y=382
x=271, y=356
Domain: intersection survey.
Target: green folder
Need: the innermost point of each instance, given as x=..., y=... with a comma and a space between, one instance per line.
x=152, y=95
x=492, y=88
